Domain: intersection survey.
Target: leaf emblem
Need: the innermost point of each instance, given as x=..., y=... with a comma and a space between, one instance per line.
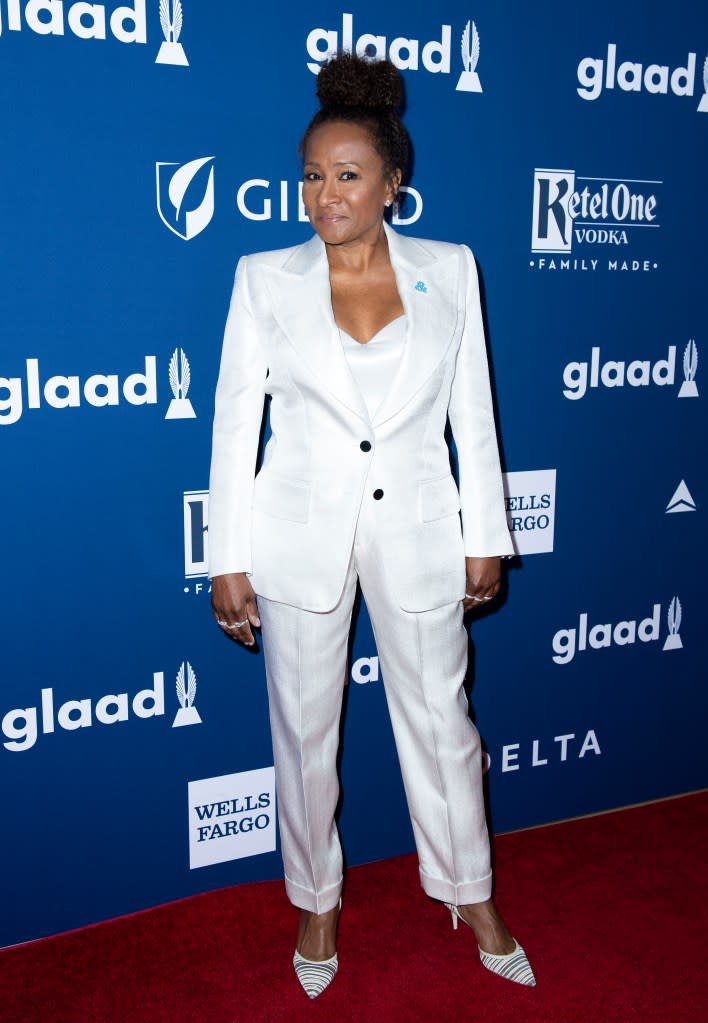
x=674, y=616
x=171, y=26
x=165, y=17
x=191, y=684
x=177, y=19
x=186, y=375
x=474, y=57
x=181, y=691
x=690, y=360
x=174, y=373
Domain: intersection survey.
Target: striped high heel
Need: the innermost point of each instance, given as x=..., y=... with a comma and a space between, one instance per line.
x=512, y=966
x=315, y=976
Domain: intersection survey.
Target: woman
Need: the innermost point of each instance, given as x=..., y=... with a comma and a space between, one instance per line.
x=366, y=342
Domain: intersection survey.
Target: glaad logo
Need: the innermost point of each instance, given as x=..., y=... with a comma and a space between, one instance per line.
x=601, y=213
x=67, y=391
x=689, y=388
x=469, y=79
x=173, y=186
x=84, y=20
x=99, y=390
x=196, y=524
x=186, y=691
x=568, y=642
x=22, y=726
x=530, y=498
x=180, y=406
x=630, y=76
x=614, y=373
x=681, y=500
x=171, y=51
x=405, y=53
x=231, y=816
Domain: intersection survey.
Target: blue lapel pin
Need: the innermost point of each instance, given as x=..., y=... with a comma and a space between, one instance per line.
x=421, y=286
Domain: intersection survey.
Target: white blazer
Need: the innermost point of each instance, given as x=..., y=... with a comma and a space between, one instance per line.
x=291, y=527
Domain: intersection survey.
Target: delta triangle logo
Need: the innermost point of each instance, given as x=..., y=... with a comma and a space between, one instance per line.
x=681, y=500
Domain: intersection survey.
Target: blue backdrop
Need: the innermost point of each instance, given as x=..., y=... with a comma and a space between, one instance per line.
x=146, y=146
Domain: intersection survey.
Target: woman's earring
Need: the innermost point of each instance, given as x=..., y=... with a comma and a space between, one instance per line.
x=387, y=203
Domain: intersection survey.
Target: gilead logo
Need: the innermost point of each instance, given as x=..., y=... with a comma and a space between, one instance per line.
x=126, y=23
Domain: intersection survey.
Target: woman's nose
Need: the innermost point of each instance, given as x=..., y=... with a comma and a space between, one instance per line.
x=328, y=192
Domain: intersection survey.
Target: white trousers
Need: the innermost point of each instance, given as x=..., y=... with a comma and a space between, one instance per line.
x=423, y=659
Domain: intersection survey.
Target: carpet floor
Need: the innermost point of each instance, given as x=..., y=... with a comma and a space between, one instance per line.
x=611, y=909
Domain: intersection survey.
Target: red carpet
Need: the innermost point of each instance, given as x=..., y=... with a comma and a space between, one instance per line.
x=611, y=910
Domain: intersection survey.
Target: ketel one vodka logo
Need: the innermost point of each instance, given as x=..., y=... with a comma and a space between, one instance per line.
x=186, y=691
x=185, y=196
x=180, y=407
x=171, y=51
x=568, y=208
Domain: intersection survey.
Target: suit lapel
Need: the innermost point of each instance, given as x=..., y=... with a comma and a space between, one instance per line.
x=302, y=305
x=428, y=289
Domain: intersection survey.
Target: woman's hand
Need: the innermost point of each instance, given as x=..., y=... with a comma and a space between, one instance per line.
x=483, y=581
x=233, y=604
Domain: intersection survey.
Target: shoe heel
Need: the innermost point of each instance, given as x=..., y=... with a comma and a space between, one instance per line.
x=453, y=914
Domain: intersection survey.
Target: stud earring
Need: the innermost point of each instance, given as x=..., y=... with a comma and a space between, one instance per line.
x=387, y=203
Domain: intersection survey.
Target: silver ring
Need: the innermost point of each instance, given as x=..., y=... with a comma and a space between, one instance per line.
x=477, y=599
x=486, y=598
x=236, y=625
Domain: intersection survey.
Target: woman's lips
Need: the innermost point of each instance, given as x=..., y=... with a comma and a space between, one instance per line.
x=330, y=218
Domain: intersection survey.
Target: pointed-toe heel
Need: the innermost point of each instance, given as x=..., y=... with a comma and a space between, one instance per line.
x=513, y=966
x=313, y=976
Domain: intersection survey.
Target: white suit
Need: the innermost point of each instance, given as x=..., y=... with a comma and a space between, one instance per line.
x=342, y=496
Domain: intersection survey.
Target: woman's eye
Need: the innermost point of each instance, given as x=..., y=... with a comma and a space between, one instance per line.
x=349, y=176
x=312, y=176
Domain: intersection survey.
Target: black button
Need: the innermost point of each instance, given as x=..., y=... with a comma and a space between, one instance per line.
x=378, y=494
x=365, y=445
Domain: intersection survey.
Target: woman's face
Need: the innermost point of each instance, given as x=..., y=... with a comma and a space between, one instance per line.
x=344, y=188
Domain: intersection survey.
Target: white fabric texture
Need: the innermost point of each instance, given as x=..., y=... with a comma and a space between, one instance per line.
x=423, y=657
x=375, y=363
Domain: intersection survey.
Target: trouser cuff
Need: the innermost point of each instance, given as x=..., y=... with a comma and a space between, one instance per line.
x=315, y=902
x=457, y=894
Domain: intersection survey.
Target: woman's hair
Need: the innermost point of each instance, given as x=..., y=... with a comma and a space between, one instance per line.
x=368, y=93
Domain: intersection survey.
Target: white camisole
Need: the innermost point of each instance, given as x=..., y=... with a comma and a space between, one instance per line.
x=374, y=364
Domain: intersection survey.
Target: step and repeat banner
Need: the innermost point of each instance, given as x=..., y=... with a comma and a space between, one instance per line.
x=146, y=147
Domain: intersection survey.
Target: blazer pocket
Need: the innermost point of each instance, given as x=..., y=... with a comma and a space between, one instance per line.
x=438, y=498
x=282, y=498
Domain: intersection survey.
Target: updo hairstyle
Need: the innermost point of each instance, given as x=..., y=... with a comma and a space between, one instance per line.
x=368, y=93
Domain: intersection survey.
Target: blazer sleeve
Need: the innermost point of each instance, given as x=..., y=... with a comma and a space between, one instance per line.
x=240, y=396
x=471, y=413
